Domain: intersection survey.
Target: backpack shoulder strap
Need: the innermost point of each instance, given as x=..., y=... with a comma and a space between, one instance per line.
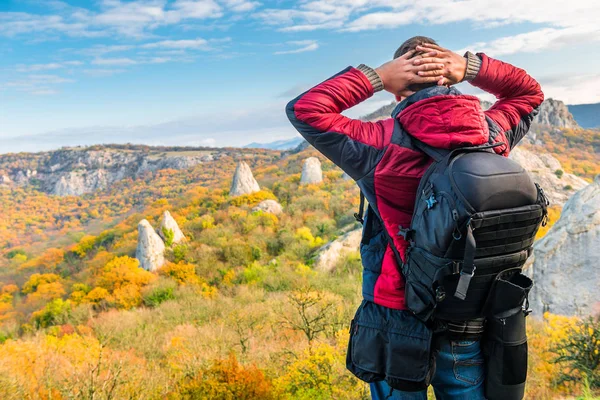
x=435, y=153
x=359, y=216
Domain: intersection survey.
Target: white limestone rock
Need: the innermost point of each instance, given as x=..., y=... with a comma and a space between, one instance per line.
x=76, y=183
x=543, y=167
x=555, y=113
x=311, y=171
x=168, y=223
x=243, y=181
x=150, y=249
x=332, y=252
x=269, y=206
x=565, y=262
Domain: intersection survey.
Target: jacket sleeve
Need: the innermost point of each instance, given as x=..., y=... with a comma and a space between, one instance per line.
x=518, y=94
x=354, y=145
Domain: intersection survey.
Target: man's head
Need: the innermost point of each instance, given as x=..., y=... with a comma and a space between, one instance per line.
x=409, y=45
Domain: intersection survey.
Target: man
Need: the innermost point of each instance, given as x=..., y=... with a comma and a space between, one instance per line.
x=388, y=167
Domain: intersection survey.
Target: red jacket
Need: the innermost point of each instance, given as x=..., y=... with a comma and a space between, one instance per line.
x=384, y=162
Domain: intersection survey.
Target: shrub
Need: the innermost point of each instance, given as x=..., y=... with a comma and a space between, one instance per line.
x=559, y=173
x=180, y=252
x=55, y=312
x=182, y=273
x=38, y=279
x=15, y=252
x=227, y=379
x=168, y=234
x=580, y=352
x=158, y=292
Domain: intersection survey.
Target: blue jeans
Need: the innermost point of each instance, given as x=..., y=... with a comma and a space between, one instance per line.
x=458, y=376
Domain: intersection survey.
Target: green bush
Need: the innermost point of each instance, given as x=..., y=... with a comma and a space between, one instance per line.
x=559, y=173
x=168, y=234
x=56, y=312
x=580, y=353
x=158, y=292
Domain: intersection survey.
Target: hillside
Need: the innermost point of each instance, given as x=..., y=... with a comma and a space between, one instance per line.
x=241, y=305
x=252, y=287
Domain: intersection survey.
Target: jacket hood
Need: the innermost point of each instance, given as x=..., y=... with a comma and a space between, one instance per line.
x=443, y=117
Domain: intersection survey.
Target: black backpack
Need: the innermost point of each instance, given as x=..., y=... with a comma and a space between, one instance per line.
x=476, y=216
x=475, y=219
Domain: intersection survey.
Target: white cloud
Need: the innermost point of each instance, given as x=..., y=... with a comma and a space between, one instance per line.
x=114, y=61
x=37, y=84
x=305, y=45
x=538, y=40
x=241, y=5
x=102, y=72
x=178, y=44
x=580, y=89
x=135, y=18
x=562, y=24
x=47, y=67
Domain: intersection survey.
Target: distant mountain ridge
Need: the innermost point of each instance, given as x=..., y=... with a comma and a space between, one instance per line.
x=284, y=144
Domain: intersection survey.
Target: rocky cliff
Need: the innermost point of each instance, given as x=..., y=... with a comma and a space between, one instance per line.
x=76, y=171
x=565, y=262
x=555, y=113
x=547, y=171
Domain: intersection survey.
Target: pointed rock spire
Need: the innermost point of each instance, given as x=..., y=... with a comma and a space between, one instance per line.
x=243, y=181
x=168, y=223
x=150, y=249
x=565, y=261
x=311, y=171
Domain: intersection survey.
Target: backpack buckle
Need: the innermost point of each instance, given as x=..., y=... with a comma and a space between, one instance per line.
x=431, y=201
x=359, y=218
x=455, y=267
x=406, y=233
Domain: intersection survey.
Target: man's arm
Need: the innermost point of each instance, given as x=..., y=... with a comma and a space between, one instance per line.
x=518, y=94
x=352, y=144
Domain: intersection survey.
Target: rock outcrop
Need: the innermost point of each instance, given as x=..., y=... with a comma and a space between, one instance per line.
x=168, y=223
x=565, y=262
x=547, y=171
x=243, y=181
x=332, y=252
x=269, y=206
x=76, y=171
x=150, y=249
x=555, y=113
x=76, y=183
x=311, y=171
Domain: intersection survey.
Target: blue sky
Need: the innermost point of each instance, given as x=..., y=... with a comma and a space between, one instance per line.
x=218, y=72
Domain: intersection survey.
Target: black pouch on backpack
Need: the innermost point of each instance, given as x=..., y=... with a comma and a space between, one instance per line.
x=505, y=342
x=391, y=345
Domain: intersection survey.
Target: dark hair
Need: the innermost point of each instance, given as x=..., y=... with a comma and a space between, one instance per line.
x=412, y=44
